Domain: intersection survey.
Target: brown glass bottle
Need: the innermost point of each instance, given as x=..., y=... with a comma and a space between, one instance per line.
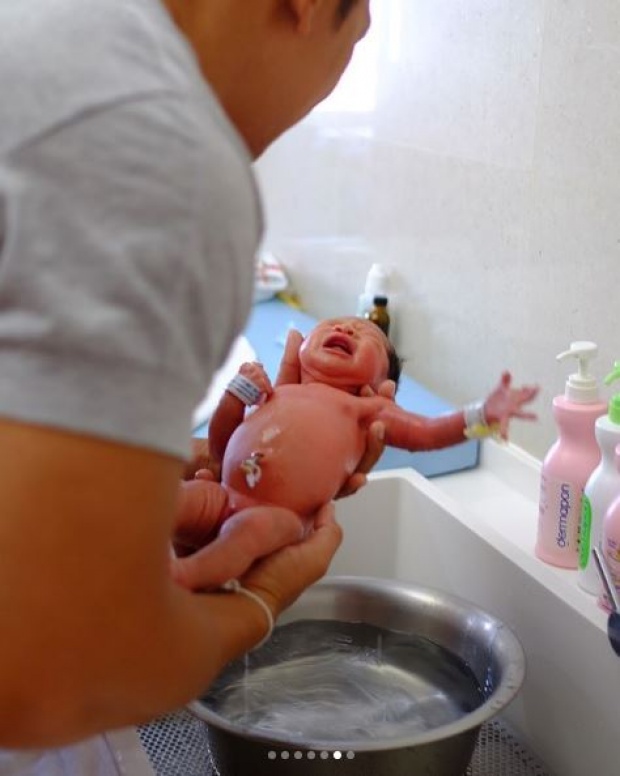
x=379, y=314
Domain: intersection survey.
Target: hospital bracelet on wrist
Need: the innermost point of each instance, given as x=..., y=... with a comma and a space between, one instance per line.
x=234, y=586
x=244, y=389
x=476, y=426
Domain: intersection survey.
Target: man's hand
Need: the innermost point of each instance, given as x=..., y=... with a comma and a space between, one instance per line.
x=228, y=550
x=375, y=444
x=280, y=578
x=290, y=368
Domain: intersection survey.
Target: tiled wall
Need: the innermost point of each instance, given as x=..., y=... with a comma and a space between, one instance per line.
x=474, y=147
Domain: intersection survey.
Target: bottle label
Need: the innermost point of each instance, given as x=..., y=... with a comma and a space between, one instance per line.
x=611, y=551
x=558, y=520
x=585, y=529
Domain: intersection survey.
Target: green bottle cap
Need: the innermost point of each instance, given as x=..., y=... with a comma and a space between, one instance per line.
x=614, y=408
x=614, y=402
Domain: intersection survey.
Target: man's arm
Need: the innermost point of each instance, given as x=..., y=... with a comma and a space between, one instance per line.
x=95, y=634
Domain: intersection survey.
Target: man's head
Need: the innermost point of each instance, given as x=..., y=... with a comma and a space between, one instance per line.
x=344, y=8
x=271, y=61
x=348, y=353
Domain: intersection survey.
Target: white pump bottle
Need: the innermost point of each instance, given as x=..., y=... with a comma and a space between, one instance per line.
x=601, y=489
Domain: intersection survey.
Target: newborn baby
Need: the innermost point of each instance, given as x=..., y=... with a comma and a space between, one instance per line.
x=305, y=437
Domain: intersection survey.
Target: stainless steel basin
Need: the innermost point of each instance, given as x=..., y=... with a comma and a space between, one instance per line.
x=431, y=734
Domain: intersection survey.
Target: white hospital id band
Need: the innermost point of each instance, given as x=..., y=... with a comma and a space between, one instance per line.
x=245, y=390
x=476, y=425
x=474, y=415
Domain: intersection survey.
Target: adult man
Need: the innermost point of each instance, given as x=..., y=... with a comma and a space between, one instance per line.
x=128, y=225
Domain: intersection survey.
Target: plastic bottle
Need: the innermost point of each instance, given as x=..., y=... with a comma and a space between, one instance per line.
x=377, y=284
x=569, y=462
x=379, y=314
x=601, y=489
x=610, y=540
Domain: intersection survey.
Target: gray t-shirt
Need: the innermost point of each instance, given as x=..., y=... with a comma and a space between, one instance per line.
x=129, y=220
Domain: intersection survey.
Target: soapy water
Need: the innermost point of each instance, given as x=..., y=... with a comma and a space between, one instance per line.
x=344, y=682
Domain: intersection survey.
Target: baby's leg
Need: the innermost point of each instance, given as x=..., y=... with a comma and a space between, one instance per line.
x=246, y=537
x=202, y=508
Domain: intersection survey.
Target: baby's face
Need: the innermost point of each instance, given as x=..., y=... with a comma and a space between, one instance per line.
x=346, y=353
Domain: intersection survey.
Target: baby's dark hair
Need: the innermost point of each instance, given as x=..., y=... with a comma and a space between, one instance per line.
x=395, y=364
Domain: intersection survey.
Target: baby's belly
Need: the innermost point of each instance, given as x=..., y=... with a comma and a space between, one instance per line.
x=294, y=454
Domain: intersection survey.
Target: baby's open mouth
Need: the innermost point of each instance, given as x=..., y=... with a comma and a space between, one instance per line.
x=340, y=343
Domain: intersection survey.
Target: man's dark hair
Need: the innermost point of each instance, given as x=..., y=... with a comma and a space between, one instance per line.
x=344, y=8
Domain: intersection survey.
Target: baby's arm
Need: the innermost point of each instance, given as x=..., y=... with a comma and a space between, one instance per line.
x=409, y=431
x=230, y=410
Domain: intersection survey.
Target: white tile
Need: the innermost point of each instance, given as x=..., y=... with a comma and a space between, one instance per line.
x=481, y=161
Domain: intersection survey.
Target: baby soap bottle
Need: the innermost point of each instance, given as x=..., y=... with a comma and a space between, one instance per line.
x=569, y=462
x=610, y=539
x=600, y=490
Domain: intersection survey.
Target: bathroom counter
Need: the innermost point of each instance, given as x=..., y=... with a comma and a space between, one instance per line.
x=266, y=332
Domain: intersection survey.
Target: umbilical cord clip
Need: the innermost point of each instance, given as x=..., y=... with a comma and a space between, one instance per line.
x=252, y=470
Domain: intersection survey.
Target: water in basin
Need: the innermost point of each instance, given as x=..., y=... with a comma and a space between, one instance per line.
x=329, y=681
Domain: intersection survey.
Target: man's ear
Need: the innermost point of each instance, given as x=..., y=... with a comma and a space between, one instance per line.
x=304, y=12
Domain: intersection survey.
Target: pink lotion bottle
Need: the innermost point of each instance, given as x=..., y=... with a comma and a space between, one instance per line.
x=570, y=461
x=610, y=541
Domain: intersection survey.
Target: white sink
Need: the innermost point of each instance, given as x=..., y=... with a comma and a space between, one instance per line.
x=472, y=534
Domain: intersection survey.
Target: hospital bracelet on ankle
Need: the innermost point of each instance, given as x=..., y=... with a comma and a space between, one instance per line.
x=476, y=426
x=244, y=389
x=234, y=586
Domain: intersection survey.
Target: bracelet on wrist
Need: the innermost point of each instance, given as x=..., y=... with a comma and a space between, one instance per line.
x=476, y=425
x=244, y=389
x=234, y=586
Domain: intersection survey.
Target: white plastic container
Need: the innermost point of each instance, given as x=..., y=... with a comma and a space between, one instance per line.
x=378, y=283
x=569, y=463
x=601, y=489
x=610, y=540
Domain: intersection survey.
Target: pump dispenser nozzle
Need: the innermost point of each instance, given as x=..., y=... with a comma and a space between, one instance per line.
x=614, y=374
x=581, y=386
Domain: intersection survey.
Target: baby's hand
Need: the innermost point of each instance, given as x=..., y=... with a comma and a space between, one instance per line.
x=290, y=369
x=255, y=372
x=505, y=402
